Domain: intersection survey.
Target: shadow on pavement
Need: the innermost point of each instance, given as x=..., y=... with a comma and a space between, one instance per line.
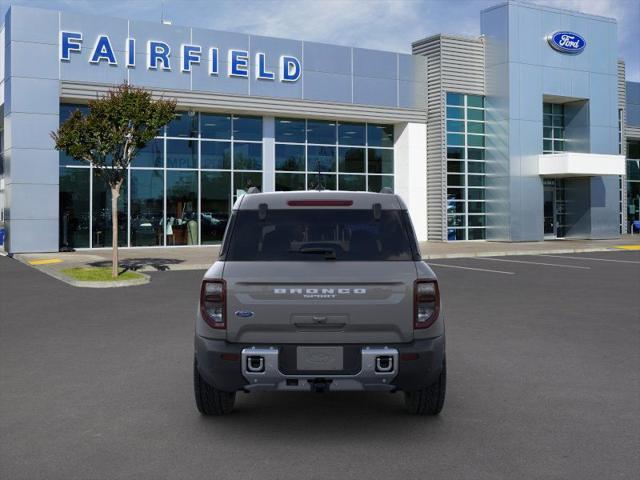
x=160, y=264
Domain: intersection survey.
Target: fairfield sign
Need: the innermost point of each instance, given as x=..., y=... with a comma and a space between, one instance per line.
x=159, y=56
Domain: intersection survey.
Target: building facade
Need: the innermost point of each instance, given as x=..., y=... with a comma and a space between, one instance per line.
x=517, y=135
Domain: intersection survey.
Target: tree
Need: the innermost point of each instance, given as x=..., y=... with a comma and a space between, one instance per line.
x=117, y=126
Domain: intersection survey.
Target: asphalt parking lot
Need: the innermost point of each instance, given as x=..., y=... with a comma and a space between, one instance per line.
x=543, y=355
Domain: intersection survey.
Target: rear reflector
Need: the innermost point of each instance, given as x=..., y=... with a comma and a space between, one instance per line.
x=230, y=357
x=320, y=203
x=405, y=357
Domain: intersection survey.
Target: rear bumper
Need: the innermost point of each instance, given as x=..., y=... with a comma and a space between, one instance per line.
x=224, y=365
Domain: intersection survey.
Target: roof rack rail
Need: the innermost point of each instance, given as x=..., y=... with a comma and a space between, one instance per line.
x=386, y=190
x=253, y=190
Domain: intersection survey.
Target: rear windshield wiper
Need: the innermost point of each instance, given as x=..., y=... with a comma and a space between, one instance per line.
x=329, y=253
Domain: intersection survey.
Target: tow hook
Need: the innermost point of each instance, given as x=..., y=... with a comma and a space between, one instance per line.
x=320, y=385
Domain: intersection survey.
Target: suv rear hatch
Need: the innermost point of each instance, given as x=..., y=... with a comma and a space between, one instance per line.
x=331, y=275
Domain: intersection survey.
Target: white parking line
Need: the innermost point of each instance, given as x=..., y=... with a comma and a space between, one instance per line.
x=469, y=268
x=531, y=263
x=591, y=258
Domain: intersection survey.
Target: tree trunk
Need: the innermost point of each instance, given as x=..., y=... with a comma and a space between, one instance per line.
x=115, y=193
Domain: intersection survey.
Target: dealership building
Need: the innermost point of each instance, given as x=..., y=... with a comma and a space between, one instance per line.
x=525, y=133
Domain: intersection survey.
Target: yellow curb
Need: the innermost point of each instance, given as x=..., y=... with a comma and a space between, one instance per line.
x=628, y=247
x=47, y=261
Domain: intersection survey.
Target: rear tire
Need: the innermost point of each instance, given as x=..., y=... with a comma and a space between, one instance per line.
x=210, y=400
x=428, y=400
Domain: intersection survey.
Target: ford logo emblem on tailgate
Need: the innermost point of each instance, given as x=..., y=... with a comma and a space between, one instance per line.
x=567, y=42
x=244, y=314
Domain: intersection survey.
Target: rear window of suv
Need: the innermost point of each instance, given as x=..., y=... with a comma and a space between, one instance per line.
x=320, y=235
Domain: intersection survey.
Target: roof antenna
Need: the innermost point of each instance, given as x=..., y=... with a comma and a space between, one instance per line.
x=319, y=186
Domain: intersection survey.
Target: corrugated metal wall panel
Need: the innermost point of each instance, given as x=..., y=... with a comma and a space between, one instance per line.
x=622, y=101
x=264, y=105
x=454, y=64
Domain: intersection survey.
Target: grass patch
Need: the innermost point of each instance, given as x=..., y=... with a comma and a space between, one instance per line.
x=99, y=274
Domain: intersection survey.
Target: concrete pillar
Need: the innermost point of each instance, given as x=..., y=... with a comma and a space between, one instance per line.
x=410, y=169
x=31, y=110
x=268, y=154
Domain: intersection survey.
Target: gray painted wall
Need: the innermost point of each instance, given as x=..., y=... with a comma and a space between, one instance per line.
x=520, y=69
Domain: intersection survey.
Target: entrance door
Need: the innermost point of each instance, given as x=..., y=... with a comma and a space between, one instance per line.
x=554, y=208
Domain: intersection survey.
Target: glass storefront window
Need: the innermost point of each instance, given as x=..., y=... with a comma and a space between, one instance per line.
x=328, y=182
x=290, y=130
x=286, y=182
x=215, y=155
x=378, y=182
x=475, y=127
x=475, y=154
x=455, y=98
x=74, y=207
x=320, y=157
x=476, y=115
x=247, y=156
x=182, y=207
x=476, y=167
x=633, y=184
x=455, y=139
x=455, y=208
x=189, y=143
x=247, y=128
x=455, y=113
x=182, y=154
x=475, y=101
x=553, y=128
x=351, y=133
x=101, y=215
x=380, y=161
x=147, y=193
x=380, y=135
x=476, y=207
x=215, y=126
x=290, y=157
x=465, y=165
x=476, y=193
x=185, y=124
x=455, y=180
x=356, y=183
x=351, y=160
x=455, y=152
x=455, y=167
x=455, y=193
x=215, y=205
x=66, y=109
x=455, y=126
x=320, y=131
x=152, y=155
x=477, y=234
x=243, y=181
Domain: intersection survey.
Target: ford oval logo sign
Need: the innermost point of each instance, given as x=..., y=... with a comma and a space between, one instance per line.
x=244, y=314
x=567, y=42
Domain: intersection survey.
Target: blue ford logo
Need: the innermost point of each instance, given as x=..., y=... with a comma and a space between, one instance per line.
x=244, y=314
x=567, y=42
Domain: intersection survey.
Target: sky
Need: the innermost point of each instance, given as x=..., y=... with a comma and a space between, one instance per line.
x=378, y=24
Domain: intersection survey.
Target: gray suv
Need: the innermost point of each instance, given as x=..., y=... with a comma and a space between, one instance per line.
x=319, y=291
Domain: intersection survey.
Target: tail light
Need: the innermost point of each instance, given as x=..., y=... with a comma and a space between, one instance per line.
x=426, y=303
x=213, y=303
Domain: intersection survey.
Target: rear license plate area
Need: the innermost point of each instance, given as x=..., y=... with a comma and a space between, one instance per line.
x=319, y=359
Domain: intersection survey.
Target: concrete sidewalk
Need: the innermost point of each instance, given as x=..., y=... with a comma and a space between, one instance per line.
x=200, y=258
